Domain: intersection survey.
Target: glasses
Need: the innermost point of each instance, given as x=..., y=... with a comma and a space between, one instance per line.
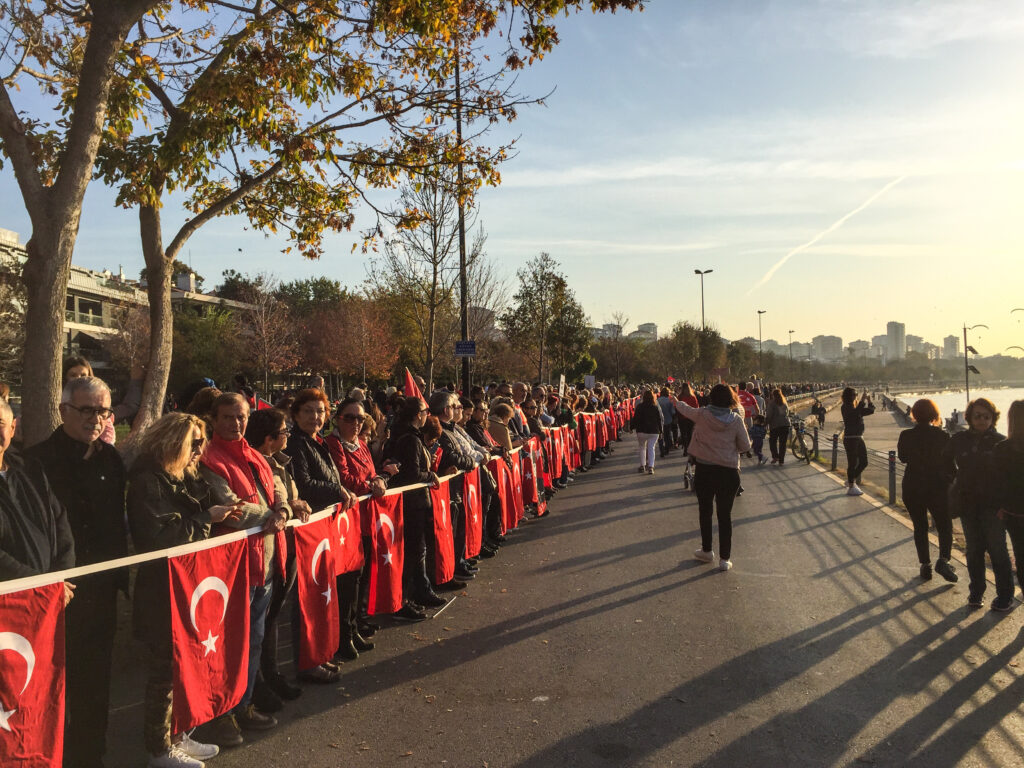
x=424, y=410
x=351, y=418
x=313, y=411
x=457, y=408
x=89, y=413
x=197, y=445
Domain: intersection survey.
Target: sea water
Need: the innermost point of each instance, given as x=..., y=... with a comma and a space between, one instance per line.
x=947, y=401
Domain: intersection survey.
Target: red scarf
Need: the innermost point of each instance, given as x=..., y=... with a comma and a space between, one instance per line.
x=232, y=460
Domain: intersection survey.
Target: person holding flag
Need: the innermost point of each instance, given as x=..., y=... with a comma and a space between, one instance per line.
x=168, y=504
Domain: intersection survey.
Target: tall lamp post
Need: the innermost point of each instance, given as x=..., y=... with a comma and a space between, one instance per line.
x=760, y=359
x=702, y=272
x=791, y=332
x=968, y=368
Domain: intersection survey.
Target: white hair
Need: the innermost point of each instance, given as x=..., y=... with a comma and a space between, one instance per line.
x=89, y=384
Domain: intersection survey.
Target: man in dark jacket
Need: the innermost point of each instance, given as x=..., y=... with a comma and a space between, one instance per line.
x=88, y=478
x=34, y=533
x=442, y=405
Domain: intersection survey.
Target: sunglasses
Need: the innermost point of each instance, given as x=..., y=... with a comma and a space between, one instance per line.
x=197, y=445
x=88, y=412
x=351, y=418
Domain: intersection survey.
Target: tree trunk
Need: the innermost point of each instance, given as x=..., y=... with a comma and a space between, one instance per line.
x=161, y=320
x=46, y=278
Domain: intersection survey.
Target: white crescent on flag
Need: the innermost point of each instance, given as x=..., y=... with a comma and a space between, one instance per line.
x=386, y=521
x=12, y=641
x=207, y=584
x=341, y=535
x=322, y=547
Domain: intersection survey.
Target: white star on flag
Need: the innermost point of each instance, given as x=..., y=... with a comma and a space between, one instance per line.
x=327, y=594
x=387, y=558
x=5, y=715
x=211, y=643
x=342, y=540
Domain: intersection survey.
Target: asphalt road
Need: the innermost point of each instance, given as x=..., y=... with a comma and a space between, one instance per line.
x=595, y=639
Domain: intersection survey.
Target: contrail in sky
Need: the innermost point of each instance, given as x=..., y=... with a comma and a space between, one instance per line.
x=775, y=268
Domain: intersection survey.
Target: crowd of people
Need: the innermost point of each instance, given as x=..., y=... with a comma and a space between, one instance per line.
x=227, y=462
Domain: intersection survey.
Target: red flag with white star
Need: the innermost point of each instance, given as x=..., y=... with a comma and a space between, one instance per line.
x=348, y=543
x=318, y=604
x=388, y=553
x=209, y=631
x=529, y=470
x=502, y=478
x=444, y=537
x=517, y=487
x=32, y=676
x=474, y=512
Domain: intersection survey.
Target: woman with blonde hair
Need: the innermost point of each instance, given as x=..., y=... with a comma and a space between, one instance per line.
x=168, y=504
x=926, y=486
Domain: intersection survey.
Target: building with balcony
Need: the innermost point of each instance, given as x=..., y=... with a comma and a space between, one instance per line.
x=951, y=348
x=828, y=348
x=896, y=344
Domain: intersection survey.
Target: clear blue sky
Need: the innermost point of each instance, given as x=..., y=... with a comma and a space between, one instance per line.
x=726, y=136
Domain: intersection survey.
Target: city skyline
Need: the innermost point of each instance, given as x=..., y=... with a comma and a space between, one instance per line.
x=846, y=163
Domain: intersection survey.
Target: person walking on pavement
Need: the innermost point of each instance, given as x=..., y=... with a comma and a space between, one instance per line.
x=984, y=531
x=926, y=486
x=853, y=412
x=1008, y=459
x=777, y=417
x=647, y=422
x=719, y=438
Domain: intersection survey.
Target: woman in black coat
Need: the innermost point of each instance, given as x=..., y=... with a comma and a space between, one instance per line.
x=853, y=412
x=926, y=486
x=319, y=485
x=1008, y=464
x=647, y=423
x=984, y=531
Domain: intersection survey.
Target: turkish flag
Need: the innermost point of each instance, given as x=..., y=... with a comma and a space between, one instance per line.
x=444, y=538
x=32, y=676
x=388, y=553
x=613, y=425
x=601, y=430
x=501, y=474
x=318, y=603
x=529, y=467
x=590, y=437
x=474, y=512
x=517, y=486
x=558, y=445
x=411, y=390
x=209, y=631
x=348, y=543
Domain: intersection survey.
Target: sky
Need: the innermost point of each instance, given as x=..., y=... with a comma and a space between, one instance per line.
x=837, y=164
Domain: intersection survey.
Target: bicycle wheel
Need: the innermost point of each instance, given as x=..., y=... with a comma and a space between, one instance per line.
x=807, y=446
x=797, y=446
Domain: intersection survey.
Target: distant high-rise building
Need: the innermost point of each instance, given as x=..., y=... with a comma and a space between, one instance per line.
x=650, y=331
x=859, y=348
x=915, y=343
x=828, y=348
x=951, y=347
x=880, y=346
x=897, y=340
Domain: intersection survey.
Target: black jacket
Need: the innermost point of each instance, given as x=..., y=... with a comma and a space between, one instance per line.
x=647, y=419
x=1008, y=465
x=452, y=455
x=853, y=418
x=162, y=512
x=35, y=536
x=92, y=491
x=975, y=475
x=922, y=449
x=406, y=447
x=316, y=475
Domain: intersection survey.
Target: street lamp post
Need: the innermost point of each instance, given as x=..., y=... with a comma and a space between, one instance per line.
x=702, y=272
x=791, y=332
x=967, y=365
x=760, y=358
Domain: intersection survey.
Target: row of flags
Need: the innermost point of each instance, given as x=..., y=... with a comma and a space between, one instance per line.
x=209, y=591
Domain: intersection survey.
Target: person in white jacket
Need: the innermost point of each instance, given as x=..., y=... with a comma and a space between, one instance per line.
x=719, y=438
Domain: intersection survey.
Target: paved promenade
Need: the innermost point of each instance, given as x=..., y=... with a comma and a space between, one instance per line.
x=595, y=639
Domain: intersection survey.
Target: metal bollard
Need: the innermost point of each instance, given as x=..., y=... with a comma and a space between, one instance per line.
x=892, y=477
x=835, y=450
x=816, y=454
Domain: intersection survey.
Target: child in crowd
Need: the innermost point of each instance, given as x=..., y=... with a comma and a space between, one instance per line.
x=758, y=430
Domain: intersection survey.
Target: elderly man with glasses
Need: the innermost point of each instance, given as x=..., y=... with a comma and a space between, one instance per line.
x=88, y=478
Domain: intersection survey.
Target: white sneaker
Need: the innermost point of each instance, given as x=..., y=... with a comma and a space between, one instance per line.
x=175, y=758
x=724, y=565
x=196, y=749
x=854, y=490
x=704, y=557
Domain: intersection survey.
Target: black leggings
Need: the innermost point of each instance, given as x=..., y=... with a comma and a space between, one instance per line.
x=921, y=501
x=856, y=458
x=777, y=442
x=716, y=487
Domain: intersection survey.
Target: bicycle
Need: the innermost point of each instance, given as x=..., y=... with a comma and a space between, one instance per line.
x=801, y=443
